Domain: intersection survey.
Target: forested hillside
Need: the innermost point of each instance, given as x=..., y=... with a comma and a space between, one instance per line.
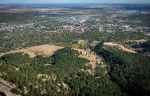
x=63, y=74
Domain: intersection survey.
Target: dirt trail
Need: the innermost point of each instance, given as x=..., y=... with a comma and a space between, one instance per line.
x=5, y=87
x=137, y=41
x=119, y=46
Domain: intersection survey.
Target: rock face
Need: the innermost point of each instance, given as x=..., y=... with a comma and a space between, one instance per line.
x=5, y=88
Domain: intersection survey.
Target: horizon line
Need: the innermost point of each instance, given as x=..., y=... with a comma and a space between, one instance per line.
x=79, y=3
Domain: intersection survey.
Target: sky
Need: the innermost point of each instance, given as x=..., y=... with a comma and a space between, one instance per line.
x=75, y=1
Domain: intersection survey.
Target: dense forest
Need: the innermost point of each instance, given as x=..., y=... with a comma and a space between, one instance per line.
x=130, y=71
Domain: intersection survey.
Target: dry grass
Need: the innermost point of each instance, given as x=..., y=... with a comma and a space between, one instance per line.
x=42, y=50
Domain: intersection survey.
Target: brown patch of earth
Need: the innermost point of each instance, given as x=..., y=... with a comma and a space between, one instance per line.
x=119, y=46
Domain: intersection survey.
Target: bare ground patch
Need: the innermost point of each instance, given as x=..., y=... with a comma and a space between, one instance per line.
x=119, y=46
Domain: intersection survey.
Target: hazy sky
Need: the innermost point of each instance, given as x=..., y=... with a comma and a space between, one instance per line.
x=74, y=1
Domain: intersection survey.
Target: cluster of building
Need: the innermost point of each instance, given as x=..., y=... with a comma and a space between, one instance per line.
x=114, y=22
x=13, y=27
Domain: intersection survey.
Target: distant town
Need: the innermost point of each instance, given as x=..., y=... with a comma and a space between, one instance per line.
x=74, y=20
